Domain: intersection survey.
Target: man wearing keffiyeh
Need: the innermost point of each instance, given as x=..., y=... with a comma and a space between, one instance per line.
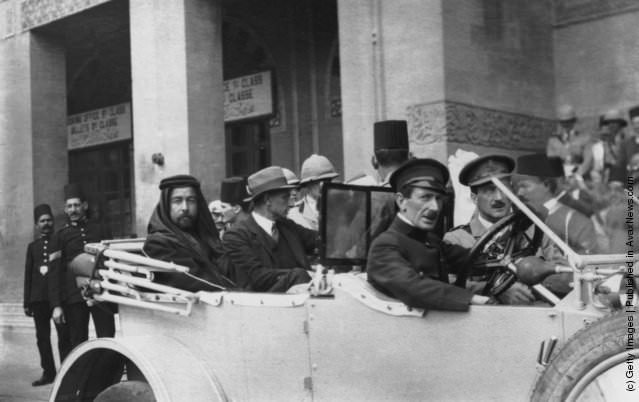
x=183, y=232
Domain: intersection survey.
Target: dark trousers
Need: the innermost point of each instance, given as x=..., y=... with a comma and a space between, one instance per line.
x=103, y=320
x=77, y=315
x=42, y=320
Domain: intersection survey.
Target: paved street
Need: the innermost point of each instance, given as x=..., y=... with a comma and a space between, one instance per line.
x=19, y=366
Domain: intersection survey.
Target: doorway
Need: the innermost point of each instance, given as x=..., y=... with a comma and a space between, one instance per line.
x=247, y=147
x=104, y=174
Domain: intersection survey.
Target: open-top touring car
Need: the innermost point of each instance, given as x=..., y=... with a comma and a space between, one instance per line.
x=344, y=341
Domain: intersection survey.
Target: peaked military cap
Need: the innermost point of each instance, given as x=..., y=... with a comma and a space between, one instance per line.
x=180, y=180
x=391, y=134
x=424, y=173
x=480, y=170
x=42, y=209
x=73, y=190
x=633, y=112
x=233, y=190
x=539, y=165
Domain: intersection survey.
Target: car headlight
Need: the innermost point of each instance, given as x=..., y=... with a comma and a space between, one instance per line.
x=617, y=291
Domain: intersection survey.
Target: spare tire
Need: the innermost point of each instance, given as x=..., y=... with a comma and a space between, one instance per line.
x=589, y=355
x=127, y=391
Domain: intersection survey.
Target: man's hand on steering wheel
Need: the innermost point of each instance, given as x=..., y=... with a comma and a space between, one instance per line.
x=518, y=293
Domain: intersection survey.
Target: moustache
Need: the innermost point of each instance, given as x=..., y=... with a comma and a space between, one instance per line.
x=431, y=215
x=498, y=204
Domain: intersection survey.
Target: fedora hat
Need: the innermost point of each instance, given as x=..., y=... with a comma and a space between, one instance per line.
x=317, y=167
x=291, y=178
x=268, y=179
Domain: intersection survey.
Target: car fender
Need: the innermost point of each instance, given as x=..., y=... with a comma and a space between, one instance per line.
x=172, y=370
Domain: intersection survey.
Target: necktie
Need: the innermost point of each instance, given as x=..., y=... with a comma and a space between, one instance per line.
x=275, y=234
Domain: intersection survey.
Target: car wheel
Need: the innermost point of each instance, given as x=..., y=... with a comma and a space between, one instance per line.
x=592, y=366
x=127, y=391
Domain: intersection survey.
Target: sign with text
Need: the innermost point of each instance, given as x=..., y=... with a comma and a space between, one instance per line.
x=248, y=97
x=99, y=126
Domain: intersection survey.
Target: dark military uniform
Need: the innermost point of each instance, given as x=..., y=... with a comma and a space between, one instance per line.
x=71, y=241
x=412, y=265
x=41, y=257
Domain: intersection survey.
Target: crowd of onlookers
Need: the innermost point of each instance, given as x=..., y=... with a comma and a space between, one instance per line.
x=600, y=168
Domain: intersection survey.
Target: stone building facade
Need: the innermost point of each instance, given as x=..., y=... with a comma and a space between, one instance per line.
x=481, y=75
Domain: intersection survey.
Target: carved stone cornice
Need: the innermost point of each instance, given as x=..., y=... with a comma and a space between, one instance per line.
x=457, y=122
x=568, y=12
x=39, y=12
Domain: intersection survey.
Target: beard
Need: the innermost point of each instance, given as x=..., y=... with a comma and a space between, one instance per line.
x=185, y=222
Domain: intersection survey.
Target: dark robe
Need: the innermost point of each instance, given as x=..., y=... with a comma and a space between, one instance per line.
x=200, y=250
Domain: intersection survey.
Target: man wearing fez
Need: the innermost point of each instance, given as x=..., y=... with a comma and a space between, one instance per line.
x=41, y=257
x=71, y=239
x=491, y=206
x=537, y=185
x=316, y=169
x=182, y=231
x=267, y=250
x=406, y=261
x=390, y=152
x=232, y=195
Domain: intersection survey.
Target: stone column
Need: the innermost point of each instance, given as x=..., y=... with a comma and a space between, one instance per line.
x=32, y=146
x=176, y=67
x=392, y=57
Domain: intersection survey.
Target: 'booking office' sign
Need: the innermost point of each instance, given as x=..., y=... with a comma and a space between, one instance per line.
x=99, y=126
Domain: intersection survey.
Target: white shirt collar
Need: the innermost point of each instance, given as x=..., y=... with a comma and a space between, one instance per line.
x=552, y=204
x=486, y=223
x=405, y=219
x=265, y=223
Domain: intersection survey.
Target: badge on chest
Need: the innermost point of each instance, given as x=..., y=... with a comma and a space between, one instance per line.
x=43, y=270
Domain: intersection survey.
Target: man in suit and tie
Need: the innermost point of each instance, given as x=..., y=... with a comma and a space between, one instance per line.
x=269, y=252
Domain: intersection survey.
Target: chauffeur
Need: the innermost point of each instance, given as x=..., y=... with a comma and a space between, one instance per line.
x=41, y=256
x=408, y=261
x=491, y=206
x=69, y=304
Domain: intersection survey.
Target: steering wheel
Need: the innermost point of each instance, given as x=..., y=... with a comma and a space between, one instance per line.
x=504, y=243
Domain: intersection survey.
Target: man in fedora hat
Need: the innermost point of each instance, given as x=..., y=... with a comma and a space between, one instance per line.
x=491, y=205
x=316, y=170
x=41, y=257
x=68, y=302
x=567, y=143
x=537, y=185
x=405, y=261
x=268, y=251
x=182, y=231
